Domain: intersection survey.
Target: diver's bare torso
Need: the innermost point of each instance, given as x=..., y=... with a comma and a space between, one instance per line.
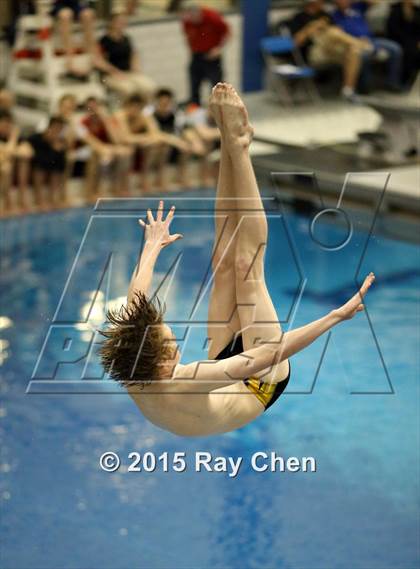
x=182, y=410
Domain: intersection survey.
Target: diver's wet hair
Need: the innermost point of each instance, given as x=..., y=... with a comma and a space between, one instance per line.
x=134, y=345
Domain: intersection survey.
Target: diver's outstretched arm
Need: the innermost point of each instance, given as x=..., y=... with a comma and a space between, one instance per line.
x=157, y=237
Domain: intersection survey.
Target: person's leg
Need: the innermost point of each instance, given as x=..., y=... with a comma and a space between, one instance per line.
x=65, y=19
x=143, y=85
x=87, y=21
x=196, y=77
x=57, y=181
x=258, y=317
x=6, y=169
x=114, y=169
x=196, y=146
x=173, y=141
x=351, y=63
x=38, y=186
x=123, y=157
x=205, y=170
x=120, y=83
x=334, y=35
x=394, y=62
x=24, y=154
x=214, y=71
x=148, y=158
x=63, y=190
x=194, y=141
x=223, y=318
x=48, y=191
x=334, y=45
x=70, y=163
x=365, y=83
x=162, y=157
x=56, y=189
x=61, y=180
x=92, y=178
x=182, y=167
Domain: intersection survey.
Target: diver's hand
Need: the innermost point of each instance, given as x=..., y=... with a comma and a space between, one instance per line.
x=355, y=304
x=157, y=230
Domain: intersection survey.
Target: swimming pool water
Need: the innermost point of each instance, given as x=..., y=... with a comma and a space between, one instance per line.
x=357, y=414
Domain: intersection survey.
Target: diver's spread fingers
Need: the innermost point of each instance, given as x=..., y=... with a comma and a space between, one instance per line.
x=150, y=216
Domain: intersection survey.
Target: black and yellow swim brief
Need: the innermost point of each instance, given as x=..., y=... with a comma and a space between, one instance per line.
x=267, y=393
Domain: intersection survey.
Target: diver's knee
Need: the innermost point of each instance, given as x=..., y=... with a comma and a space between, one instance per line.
x=242, y=264
x=223, y=264
x=247, y=266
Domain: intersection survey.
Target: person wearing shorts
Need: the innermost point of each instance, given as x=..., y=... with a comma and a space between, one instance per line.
x=15, y=155
x=66, y=12
x=49, y=164
x=109, y=158
x=119, y=63
x=351, y=17
x=323, y=43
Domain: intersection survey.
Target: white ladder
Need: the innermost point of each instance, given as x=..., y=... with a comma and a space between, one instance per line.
x=36, y=76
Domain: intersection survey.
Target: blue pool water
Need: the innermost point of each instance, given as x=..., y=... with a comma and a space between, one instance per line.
x=353, y=406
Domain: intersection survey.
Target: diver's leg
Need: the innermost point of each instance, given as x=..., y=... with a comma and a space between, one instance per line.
x=258, y=317
x=223, y=320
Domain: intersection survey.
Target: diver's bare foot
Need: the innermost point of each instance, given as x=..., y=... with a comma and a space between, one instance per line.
x=215, y=104
x=228, y=108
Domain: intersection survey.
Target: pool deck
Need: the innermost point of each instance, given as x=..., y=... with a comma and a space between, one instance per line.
x=322, y=139
x=332, y=167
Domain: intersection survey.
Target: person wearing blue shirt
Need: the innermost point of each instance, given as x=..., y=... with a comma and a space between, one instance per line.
x=321, y=42
x=351, y=18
